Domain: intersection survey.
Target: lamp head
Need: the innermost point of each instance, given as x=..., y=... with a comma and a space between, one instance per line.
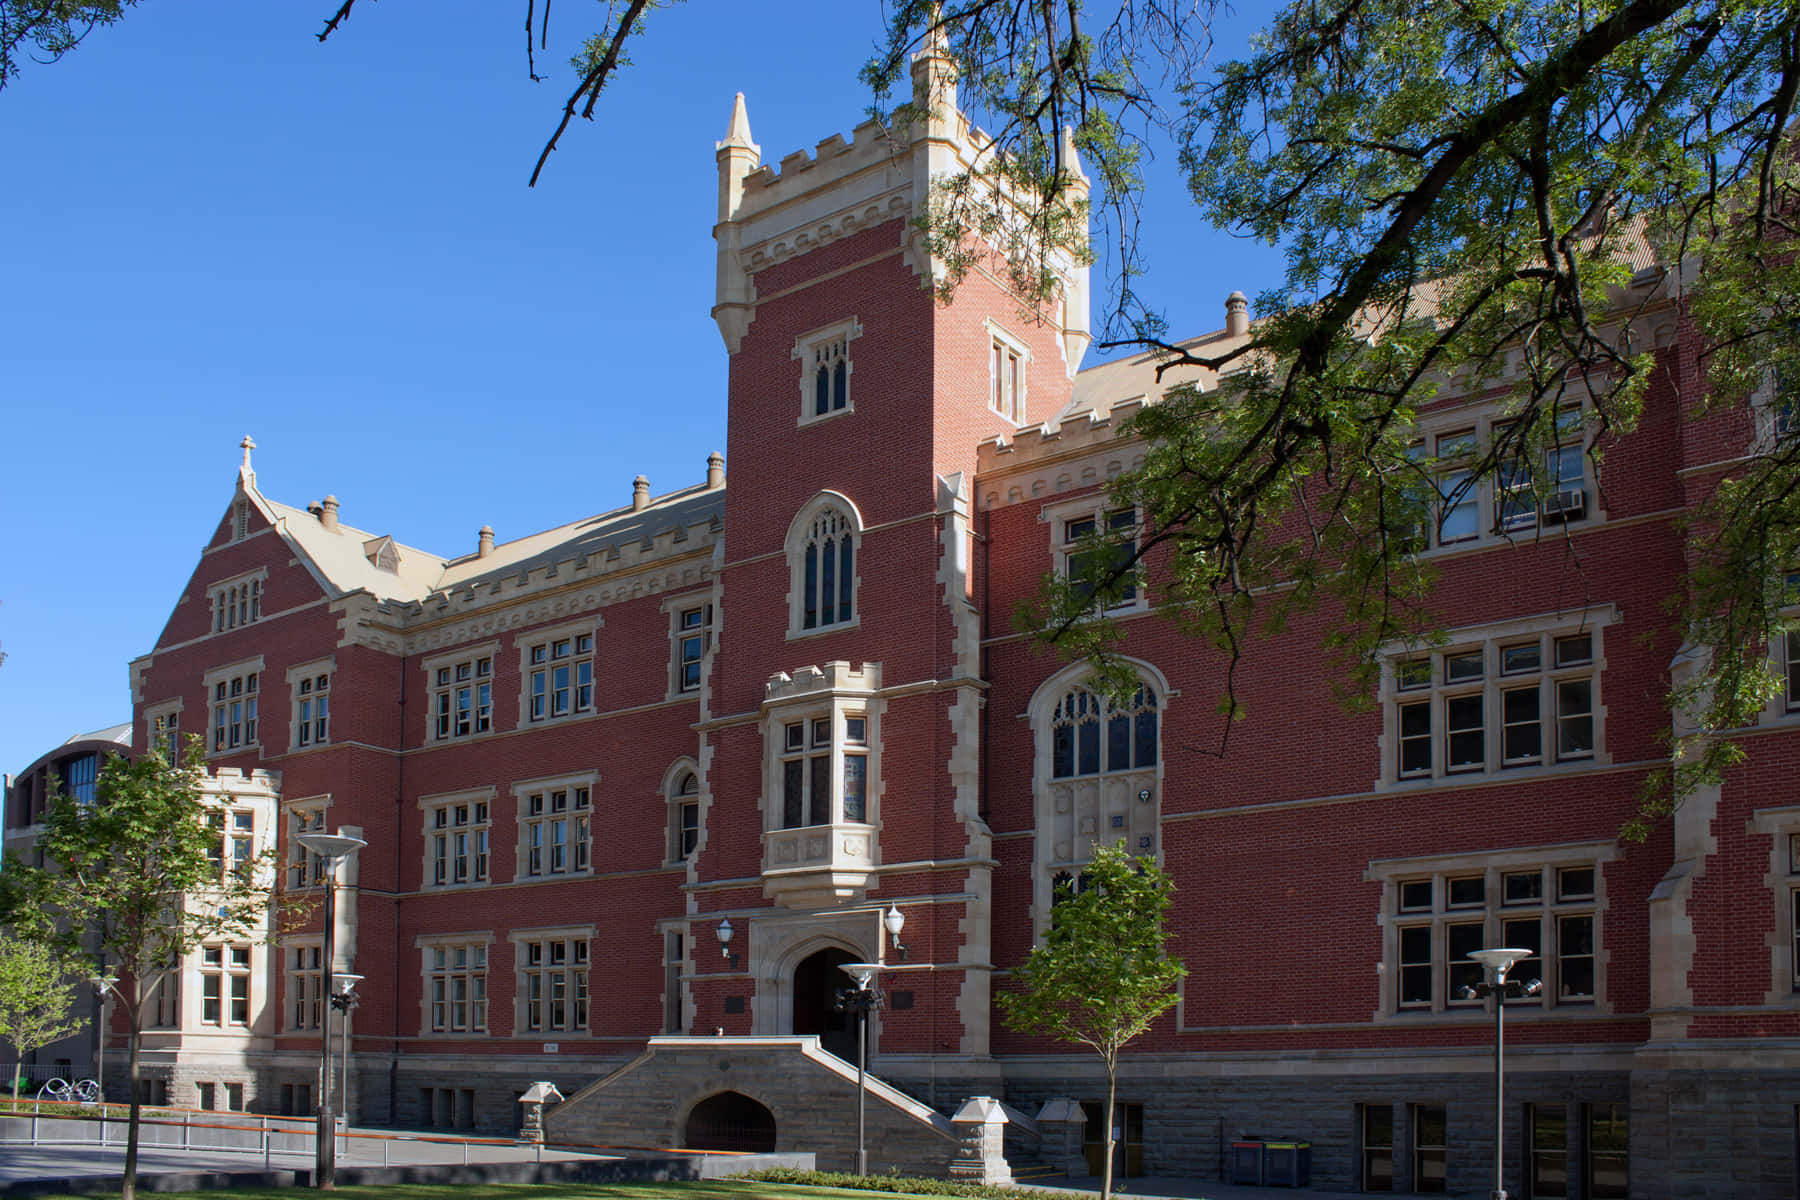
x=1499, y=961
x=332, y=845
x=894, y=920
x=861, y=972
x=343, y=985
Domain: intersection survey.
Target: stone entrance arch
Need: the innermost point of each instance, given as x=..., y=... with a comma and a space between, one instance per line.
x=817, y=978
x=730, y=1121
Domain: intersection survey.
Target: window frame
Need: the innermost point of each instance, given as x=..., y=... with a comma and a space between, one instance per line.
x=475, y=972
x=309, y=703
x=1446, y=447
x=803, y=535
x=1550, y=907
x=537, y=680
x=677, y=609
x=478, y=827
x=576, y=813
x=441, y=693
x=303, y=974
x=301, y=868
x=237, y=601
x=834, y=338
x=233, y=702
x=162, y=727
x=1068, y=549
x=1007, y=354
x=226, y=969
x=1418, y=680
x=534, y=1014
x=680, y=802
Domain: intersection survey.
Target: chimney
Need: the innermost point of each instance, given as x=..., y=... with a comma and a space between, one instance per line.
x=715, y=470
x=484, y=541
x=1237, y=315
x=640, y=493
x=328, y=513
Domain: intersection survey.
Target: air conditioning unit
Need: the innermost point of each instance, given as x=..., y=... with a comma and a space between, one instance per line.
x=1567, y=505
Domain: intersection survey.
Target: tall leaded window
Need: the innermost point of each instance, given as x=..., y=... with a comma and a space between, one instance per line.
x=456, y=841
x=1091, y=735
x=553, y=828
x=822, y=553
x=684, y=816
x=1097, y=774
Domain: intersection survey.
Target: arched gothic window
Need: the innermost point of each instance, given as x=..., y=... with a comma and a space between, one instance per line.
x=828, y=570
x=1091, y=735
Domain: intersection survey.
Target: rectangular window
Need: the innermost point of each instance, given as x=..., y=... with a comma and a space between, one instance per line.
x=693, y=634
x=234, y=711
x=225, y=985
x=559, y=677
x=456, y=839
x=553, y=827
x=456, y=981
x=1095, y=548
x=553, y=984
x=79, y=777
x=163, y=1009
x=306, y=987
x=304, y=868
x=1438, y=921
x=1493, y=706
x=1377, y=1147
x=206, y=1097
x=1607, y=1152
x=1548, y=1172
x=462, y=698
x=165, y=734
x=312, y=709
x=824, y=771
x=1791, y=693
x=1430, y=1148
x=1006, y=368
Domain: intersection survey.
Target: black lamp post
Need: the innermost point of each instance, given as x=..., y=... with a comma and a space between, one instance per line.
x=330, y=847
x=1498, y=962
x=860, y=1000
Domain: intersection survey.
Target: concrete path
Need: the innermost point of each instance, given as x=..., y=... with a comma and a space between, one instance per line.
x=1180, y=1189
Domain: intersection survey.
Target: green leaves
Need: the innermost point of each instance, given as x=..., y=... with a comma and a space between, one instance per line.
x=1101, y=974
x=37, y=995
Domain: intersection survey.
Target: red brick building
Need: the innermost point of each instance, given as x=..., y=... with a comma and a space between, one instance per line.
x=797, y=702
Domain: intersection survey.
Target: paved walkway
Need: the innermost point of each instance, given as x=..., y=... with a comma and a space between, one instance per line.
x=21, y=1162
x=1181, y=1189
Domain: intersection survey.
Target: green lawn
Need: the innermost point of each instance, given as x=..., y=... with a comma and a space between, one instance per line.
x=696, y=1189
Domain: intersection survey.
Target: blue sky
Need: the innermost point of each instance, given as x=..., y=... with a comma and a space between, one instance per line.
x=214, y=225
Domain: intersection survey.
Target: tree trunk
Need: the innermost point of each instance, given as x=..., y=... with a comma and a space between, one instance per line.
x=128, y=1190
x=1106, y=1171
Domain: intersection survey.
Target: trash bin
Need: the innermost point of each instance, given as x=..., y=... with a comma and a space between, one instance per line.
x=1287, y=1163
x=1247, y=1161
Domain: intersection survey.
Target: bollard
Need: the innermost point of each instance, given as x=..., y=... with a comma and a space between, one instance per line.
x=465, y=1154
x=187, y=1123
x=265, y=1142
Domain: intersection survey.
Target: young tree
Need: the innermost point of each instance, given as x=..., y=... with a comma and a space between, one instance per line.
x=37, y=997
x=1101, y=973
x=139, y=878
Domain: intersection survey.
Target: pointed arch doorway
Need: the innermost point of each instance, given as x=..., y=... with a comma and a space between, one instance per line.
x=816, y=983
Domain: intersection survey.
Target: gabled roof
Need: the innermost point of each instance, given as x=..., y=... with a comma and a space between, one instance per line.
x=347, y=559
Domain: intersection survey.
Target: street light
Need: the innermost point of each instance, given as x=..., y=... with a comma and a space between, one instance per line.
x=103, y=983
x=345, y=1000
x=859, y=1000
x=894, y=921
x=330, y=847
x=1498, y=962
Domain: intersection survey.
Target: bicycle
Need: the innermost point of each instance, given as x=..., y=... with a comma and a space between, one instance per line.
x=80, y=1091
